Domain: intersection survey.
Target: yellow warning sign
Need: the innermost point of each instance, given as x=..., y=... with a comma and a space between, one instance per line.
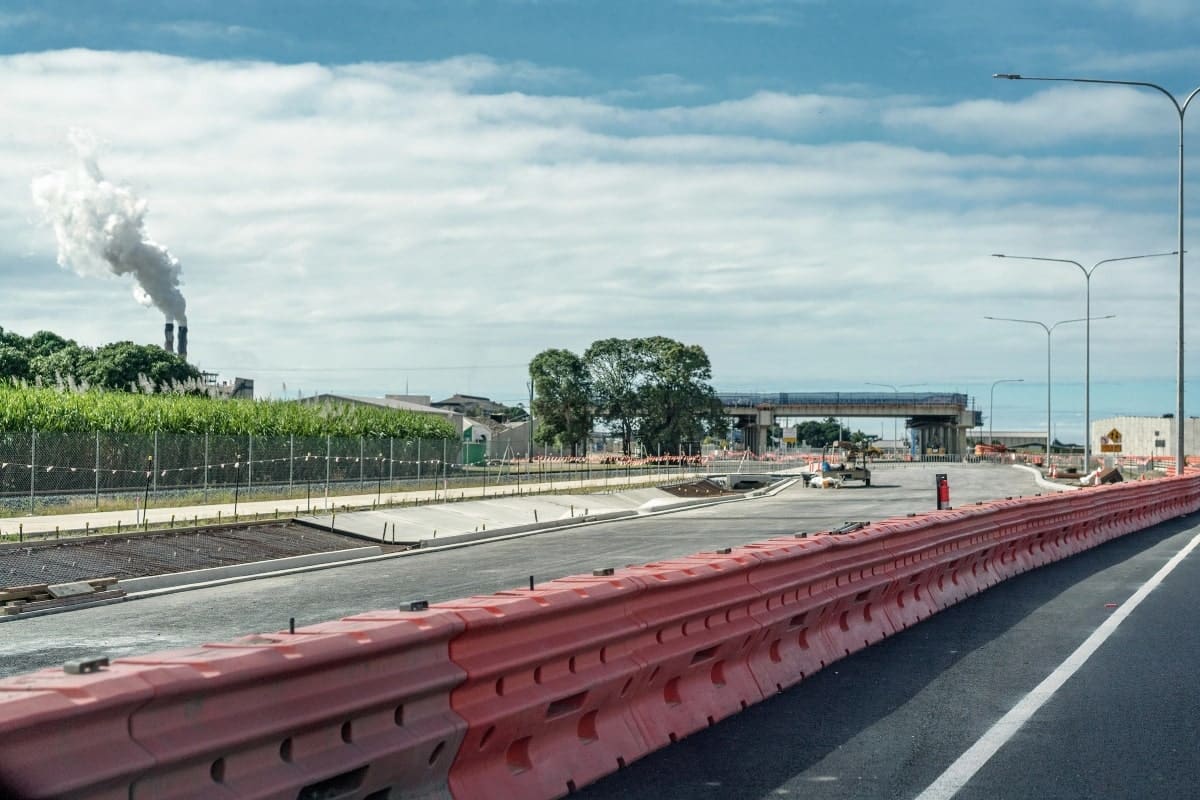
x=1111, y=443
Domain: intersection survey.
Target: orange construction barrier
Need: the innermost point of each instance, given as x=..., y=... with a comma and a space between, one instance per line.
x=549, y=672
x=355, y=707
x=348, y=709
x=67, y=735
x=529, y=693
x=792, y=580
x=698, y=634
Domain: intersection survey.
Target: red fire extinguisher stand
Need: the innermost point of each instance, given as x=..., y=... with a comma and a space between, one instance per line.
x=943, y=490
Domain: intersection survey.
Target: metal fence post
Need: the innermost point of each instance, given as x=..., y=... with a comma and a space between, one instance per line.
x=155, y=473
x=32, y=467
x=391, y=459
x=418, y=465
x=97, y=469
x=291, y=456
x=362, y=480
x=328, y=462
x=206, y=466
x=250, y=465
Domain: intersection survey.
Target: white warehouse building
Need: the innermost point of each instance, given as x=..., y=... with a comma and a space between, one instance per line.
x=1143, y=436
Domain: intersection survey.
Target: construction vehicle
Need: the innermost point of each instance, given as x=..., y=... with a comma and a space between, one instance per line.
x=850, y=468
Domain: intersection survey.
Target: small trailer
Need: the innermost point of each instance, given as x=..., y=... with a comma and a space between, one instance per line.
x=850, y=470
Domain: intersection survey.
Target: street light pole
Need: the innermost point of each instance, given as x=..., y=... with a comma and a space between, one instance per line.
x=897, y=391
x=1048, y=329
x=992, y=407
x=1181, y=110
x=1087, y=349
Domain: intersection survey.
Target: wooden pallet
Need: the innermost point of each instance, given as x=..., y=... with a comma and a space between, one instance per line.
x=19, y=599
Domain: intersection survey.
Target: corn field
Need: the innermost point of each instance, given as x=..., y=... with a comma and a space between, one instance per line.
x=49, y=410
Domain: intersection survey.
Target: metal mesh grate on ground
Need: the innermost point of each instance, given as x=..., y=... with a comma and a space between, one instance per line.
x=139, y=555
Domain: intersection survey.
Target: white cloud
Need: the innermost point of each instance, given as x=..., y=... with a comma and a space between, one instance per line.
x=1155, y=10
x=1132, y=65
x=769, y=13
x=1065, y=113
x=21, y=19
x=203, y=30
x=398, y=216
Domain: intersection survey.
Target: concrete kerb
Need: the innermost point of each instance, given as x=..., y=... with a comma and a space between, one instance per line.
x=269, y=569
x=647, y=510
x=1045, y=484
x=149, y=582
x=532, y=527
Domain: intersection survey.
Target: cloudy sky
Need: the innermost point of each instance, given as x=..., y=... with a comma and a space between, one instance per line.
x=378, y=194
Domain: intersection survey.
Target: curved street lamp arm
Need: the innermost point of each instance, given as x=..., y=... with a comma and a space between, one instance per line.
x=1026, y=321
x=1178, y=107
x=1039, y=258
x=1130, y=258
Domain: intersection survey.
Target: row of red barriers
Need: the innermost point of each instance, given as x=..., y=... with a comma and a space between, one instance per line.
x=529, y=693
x=596, y=671
x=345, y=709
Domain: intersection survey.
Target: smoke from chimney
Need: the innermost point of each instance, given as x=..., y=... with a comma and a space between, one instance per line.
x=183, y=341
x=100, y=231
x=169, y=335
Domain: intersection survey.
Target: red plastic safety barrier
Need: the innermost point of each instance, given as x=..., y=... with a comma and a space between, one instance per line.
x=792, y=580
x=698, y=634
x=65, y=736
x=549, y=672
x=348, y=709
x=529, y=693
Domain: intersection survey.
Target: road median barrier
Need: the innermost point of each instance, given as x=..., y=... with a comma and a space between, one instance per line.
x=530, y=693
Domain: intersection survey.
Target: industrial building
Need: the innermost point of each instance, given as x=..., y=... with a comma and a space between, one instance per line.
x=1143, y=436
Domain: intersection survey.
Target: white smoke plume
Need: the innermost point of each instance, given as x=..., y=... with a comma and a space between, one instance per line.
x=100, y=230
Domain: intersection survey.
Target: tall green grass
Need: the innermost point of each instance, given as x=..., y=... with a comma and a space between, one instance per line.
x=52, y=410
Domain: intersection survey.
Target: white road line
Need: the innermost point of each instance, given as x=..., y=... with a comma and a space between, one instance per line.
x=969, y=763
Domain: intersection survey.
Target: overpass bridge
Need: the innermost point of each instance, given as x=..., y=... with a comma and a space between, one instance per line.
x=938, y=419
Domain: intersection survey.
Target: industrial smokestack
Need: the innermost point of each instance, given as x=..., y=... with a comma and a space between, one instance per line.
x=100, y=228
x=183, y=342
x=169, y=335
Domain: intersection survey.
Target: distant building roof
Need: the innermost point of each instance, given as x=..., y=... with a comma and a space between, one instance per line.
x=460, y=402
x=382, y=402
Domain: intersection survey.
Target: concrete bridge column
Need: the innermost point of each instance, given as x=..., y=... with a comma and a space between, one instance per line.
x=763, y=422
x=960, y=443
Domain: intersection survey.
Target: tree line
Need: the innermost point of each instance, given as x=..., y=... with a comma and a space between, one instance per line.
x=652, y=390
x=47, y=359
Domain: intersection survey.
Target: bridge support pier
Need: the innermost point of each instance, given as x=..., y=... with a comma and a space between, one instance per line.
x=932, y=437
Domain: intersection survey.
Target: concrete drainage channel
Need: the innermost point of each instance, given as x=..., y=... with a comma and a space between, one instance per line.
x=368, y=525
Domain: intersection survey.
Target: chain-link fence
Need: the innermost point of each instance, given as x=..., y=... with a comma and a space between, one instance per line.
x=55, y=472
x=43, y=470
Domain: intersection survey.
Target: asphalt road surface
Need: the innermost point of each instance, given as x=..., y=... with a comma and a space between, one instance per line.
x=220, y=613
x=884, y=723
x=889, y=720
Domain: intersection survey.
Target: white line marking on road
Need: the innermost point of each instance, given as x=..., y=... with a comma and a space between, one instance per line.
x=969, y=763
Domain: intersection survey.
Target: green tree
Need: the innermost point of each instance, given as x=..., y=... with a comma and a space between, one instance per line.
x=14, y=364
x=822, y=433
x=14, y=340
x=617, y=368
x=44, y=343
x=70, y=361
x=121, y=365
x=562, y=403
x=678, y=406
